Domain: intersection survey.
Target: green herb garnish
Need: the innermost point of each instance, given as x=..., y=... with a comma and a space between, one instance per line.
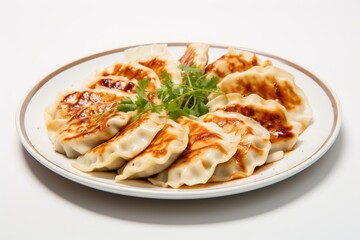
x=142, y=104
x=188, y=98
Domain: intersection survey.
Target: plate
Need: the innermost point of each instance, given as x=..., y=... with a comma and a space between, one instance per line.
x=312, y=144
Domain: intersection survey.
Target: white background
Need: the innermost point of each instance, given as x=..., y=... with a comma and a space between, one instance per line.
x=322, y=202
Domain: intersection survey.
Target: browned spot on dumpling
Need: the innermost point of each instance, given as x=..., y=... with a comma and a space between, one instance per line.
x=234, y=64
x=87, y=122
x=100, y=149
x=274, y=121
x=239, y=156
x=282, y=92
x=157, y=65
x=132, y=72
x=196, y=55
x=95, y=103
x=230, y=63
x=228, y=124
x=205, y=164
x=199, y=135
x=234, y=125
x=188, y=58
x=122, y=84
x=191, y=152
x=125, y=70
x=200, y=139
x=159, y=145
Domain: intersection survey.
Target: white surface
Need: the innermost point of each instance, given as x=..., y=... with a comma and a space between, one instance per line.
x=312, y=144
x=40, y=36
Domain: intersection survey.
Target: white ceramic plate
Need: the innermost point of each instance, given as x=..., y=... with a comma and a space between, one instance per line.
x=312, y=144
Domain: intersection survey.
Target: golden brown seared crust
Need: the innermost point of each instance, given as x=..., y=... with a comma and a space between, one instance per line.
x=122, y=84
x=200, y=139
x=87, y=122
x=159, y=145
x=239, y=156
x=75, y=103
x=124, y=77
x=282, y=92
x=157, y=65
x=232, y=62
x=129, y=128
x=274, y=122
x=236, y=125
x=197, y=55
x=87, y=112
x=189, y=56
x=228, y=124
x=126, y=70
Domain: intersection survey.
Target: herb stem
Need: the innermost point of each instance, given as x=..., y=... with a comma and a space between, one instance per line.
x=188, y=98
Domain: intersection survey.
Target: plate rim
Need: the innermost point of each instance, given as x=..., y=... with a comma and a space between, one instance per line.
x=199, y=193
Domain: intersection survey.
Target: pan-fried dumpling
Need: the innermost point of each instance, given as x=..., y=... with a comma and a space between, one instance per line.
x=271, y=83
x=168, y=144
x=233, y=61
x=208, y=146
x=119, y=84
x=156, y=57
x=252, y=150
x=196, y=54
x=270, y=114
x=83, y=119
x=123, y=78
x=128, y=143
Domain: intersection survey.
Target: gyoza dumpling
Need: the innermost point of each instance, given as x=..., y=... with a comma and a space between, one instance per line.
x=157, y=58
x=271, y=83
x=128, y=143
x=196, y=54
x=123, y=77
x=233, y=61
x=252, y=150
x=165, y=148
x=208, y=146
x=120, y=84
x=270, y=114
x=81, y=120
